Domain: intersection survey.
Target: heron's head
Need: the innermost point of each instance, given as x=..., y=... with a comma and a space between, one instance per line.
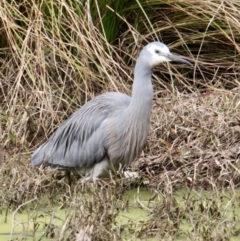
x=156, y=52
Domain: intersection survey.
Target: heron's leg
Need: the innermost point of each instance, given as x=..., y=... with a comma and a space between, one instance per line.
x=100, y=170
x=68, y=177
x=97, y=171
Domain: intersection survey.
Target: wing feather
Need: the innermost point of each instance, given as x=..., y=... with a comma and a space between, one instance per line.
x=80, y=140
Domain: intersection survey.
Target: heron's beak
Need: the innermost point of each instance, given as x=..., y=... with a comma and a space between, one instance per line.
x=176, y=58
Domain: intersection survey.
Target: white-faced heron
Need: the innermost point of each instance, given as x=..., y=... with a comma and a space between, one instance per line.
x=109, y=131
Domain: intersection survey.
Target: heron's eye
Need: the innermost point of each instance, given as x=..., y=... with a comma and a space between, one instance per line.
x=157, y=51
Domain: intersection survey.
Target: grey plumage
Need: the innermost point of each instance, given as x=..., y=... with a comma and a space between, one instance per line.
x=110, y=130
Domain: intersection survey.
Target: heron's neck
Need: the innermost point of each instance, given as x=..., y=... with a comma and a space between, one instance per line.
x=142, y=92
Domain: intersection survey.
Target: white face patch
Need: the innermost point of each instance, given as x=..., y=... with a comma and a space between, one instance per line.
x=162, y=48
x=157, y=51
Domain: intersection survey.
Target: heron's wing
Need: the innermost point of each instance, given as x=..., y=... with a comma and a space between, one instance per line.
x=80, y=140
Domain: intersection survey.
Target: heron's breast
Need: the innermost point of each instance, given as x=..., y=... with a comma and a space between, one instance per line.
x=125, y=141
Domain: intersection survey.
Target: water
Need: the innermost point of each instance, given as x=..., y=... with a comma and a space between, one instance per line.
x=143, y=205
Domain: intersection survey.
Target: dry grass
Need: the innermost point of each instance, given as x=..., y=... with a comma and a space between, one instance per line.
x=54, y=57
x=196, y=137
